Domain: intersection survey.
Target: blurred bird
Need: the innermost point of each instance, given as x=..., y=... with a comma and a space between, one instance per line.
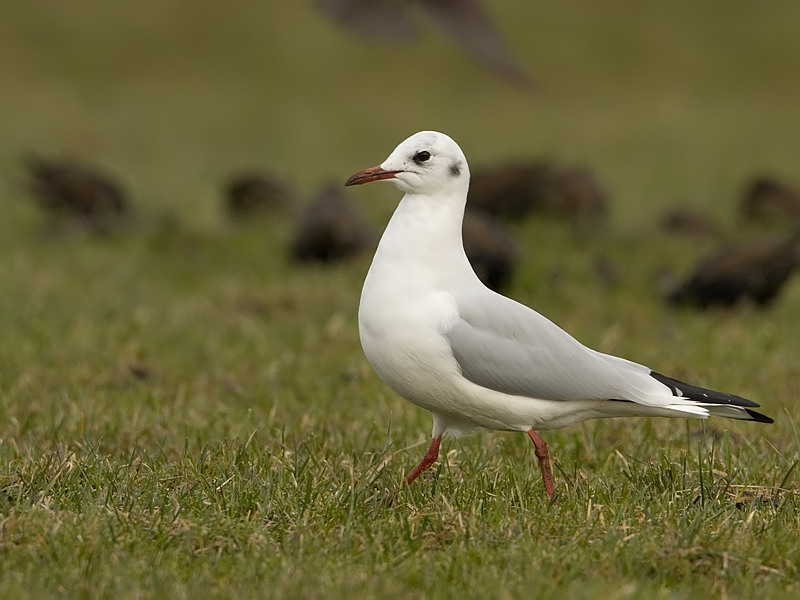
x=465, y=21
x=331, y=229
x=755, y=271
x=768, y=199
x=515, y=190
x=689, y=222
x=491, y=250
x=255, y=193
x=68, y=189
x=511, y=190
x=578, y=196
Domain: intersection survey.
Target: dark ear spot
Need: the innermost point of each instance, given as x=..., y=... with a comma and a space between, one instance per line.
x=455, y=169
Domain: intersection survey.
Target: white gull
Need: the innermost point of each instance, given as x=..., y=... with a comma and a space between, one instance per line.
x=474, y=358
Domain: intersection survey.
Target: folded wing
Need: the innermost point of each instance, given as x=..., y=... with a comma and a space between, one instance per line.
x=504, y=346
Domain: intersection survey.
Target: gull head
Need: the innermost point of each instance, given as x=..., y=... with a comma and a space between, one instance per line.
x=428, y=163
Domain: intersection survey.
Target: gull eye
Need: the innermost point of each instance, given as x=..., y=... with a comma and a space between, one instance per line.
x=421, y=156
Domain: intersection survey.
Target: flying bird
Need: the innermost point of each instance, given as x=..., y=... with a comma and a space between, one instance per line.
x=472, y=357
x=465, y=21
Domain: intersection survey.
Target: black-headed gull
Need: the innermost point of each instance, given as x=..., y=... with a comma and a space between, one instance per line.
x=441, y=339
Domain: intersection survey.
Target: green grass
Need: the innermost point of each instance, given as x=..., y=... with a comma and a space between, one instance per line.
x=184, y=413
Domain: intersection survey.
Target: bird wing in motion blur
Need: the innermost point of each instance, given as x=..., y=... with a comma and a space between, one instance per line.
x=465, y=21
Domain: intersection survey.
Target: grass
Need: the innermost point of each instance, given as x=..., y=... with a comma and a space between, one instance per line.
x=185, y=413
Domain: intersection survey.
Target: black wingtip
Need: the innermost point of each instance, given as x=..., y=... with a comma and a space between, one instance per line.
x=702, y=395
x=758, y=417
x=706, y=396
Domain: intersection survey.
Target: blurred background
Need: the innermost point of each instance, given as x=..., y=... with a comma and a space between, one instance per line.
x=182, y=386
x=682, y=102
x=174, y=105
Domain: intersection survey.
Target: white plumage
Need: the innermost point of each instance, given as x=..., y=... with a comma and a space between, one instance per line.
x=441, y=339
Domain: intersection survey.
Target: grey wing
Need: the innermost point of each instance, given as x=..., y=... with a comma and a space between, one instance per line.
x=505, y=346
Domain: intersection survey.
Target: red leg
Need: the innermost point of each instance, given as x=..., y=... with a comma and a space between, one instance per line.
x=430, y=457
x=544, y=462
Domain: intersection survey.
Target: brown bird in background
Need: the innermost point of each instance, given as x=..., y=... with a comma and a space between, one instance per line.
x=511, y=191
x=466, y=22
x=578, y=196
x=515, y=190
x=689, y=222
x=255, y=193
x=769, y=199
x=331, y=229
x=754, y=271
x=491, y=250
x=66, y=189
